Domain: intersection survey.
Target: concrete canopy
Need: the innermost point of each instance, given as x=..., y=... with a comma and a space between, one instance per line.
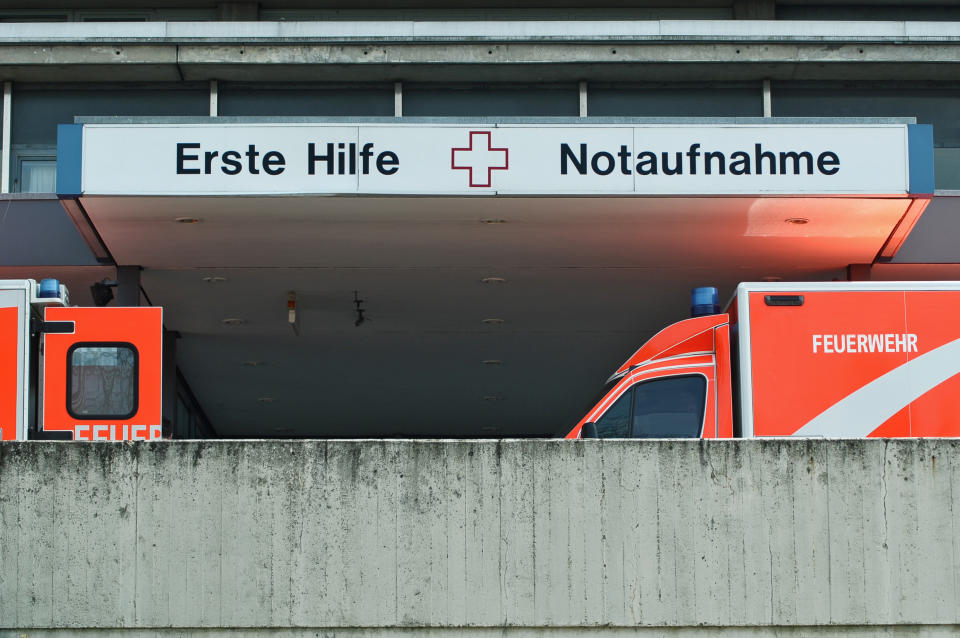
x=482, y=316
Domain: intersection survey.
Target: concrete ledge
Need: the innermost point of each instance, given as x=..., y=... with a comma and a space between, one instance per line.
x=493, y=51
x=902, y=631
x=517, y=61
x=278, y=32
x=849, y=537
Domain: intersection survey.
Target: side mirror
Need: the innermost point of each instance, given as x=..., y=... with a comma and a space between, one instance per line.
x=589, y=431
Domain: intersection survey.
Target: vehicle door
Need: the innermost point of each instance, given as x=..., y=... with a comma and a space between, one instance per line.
x=102, y=373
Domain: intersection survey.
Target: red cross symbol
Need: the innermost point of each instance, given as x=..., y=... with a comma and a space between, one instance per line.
x=480, y=156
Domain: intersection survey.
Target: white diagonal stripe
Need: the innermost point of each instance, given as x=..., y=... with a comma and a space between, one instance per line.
x=863, y=411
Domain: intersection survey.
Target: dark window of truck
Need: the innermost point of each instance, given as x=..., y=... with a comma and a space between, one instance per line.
x=669, y=408
x=615, y=422
x=102, y=380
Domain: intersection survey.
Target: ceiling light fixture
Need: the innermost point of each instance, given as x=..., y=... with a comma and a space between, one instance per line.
x=797, y=220
x=493, y=280
x=292, y=317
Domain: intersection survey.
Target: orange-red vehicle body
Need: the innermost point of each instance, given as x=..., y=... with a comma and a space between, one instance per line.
x=138, y=333
x=11, y=403
x=697, y=347
x=844, y=359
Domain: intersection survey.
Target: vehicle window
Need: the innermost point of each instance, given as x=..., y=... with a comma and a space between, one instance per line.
x=615, y=422
x=102, y=380
x=669, y=408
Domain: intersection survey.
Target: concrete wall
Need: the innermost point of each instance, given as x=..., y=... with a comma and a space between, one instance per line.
x=391, y=538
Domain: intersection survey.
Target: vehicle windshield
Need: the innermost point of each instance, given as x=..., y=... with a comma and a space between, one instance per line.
x=575, y=418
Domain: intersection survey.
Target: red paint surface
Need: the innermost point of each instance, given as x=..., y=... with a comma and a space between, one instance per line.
x=9, y=339
x=142, y=327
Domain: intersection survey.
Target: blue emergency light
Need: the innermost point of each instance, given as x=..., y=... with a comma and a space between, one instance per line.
x=704, y=300
x=49, y=288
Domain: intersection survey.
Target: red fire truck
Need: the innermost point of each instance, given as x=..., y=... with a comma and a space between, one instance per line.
x=89, y=374
x=844, y=359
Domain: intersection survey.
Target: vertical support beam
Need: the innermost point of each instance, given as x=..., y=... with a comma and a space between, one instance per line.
x=583, y=98
x=214, y=98
x=398, y=99
x=767, y=100
x=7, y=113
x=168, y=400
x=128, y=285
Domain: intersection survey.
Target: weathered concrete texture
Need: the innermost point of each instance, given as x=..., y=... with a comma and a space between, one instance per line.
x=385, y=535
x=611, y=59
x=823, y=631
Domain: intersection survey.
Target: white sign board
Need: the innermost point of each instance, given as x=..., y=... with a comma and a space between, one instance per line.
x=437, y=159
